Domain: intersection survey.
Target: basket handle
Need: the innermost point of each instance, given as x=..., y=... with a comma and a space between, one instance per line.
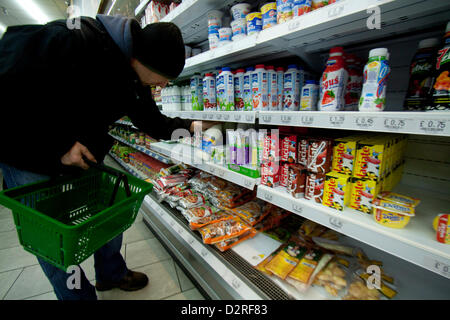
x=120, y=176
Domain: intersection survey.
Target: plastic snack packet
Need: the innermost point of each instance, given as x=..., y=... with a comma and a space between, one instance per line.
x=199, y=222
x=227, y=244
x=333, y=277
x=223, y=230
x=192, y=200
x=286, y=260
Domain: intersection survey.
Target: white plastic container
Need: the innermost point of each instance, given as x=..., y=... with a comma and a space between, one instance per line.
x=176, y=98
x=197, y=92
x=187, y=98
x=225, y=34
x=272, y=88
x=213, y=40
x=239, y=29
x=225, y=90
x=209, y=92
x=376, y=72
x=254, y=23
x=214, y=20
x=280, y=83
x=248, y=102
x=240, y=10
x=239, y=90
x=309, y=96
x=260, y=89
x=291, y=89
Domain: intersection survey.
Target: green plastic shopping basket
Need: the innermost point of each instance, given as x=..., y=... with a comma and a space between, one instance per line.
x=65, y=220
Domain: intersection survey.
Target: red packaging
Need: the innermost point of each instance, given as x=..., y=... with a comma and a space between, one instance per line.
x=284, y=173
x=289, y=148
x=320, y=152
x=315, y=183
x=270, y=174
x=296, y=181
x=271, y=148
x=303, y=144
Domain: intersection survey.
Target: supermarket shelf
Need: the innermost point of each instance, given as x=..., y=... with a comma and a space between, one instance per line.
x=127, y=123
x=423, y=123
x=140, y=8
x=416, y=243
x=225, y=116
x=230, y=275
x=343, y=23
x=193, y=157
x=129, y=167
x=148, y=152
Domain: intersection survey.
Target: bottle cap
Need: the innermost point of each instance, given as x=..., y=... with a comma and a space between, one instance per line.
x=269, y=68
x=226, y=69
x=280, y=69
x=428, y=43
x=292, y=66
x=259, y=66
x=336, y=51
x=250, y=69
x=240, y=70
x=208, y=74
x=378, y=52
x=310, y=82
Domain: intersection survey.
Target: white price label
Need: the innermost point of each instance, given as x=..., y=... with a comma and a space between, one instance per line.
x=266, y=118
x=236, y=283
x=438, y=267
x=237, y=117
x=211, y=116
x=336, y=120
x=294, y=25
x=268, y=196
x=335, y=12
x=432, y=126
x=250, y=117
x=336, y=222
x=218, y=116
x=249, y=183
x=226, y=117
x=220, y=173
x=297, y=208
x=191, y=241
x=204, y=116
x=306, y=120
x=286, y=119
x=193, y=116
x=394, y=123
x=364, y=122
x=204, y=253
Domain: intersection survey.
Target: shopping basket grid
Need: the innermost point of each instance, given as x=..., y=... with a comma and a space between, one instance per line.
x=66, y=219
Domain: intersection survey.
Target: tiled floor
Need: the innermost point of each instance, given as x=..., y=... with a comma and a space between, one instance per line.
x=21, y=277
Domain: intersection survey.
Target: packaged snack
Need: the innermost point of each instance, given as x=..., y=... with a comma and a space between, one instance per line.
x=319, y=155
x=286, y=260
x=273, y=219
x=289, y=148
x=223, y=230
x=332, y=277
x=363, y=192
x=227, y=244
x=315, y=183
x=303, y=145
x=196, y=222
x=198, y=212
x=336, y=192
x=316, y=4
x=262, y=265
x=399, y=198
x=284, y=10
x=296, y=181
x=252, y=212
x=192, y=200
x=442, y=226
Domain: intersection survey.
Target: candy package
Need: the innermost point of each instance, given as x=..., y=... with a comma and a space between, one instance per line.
x=223, y=230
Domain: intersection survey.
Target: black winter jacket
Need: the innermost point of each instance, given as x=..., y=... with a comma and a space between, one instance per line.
x=59, y=86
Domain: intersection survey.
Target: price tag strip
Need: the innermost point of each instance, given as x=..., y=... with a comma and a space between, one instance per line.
x=215, y=263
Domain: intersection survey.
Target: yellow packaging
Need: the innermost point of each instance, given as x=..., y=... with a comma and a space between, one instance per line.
x=363, y=193
x=285, y=260
x=344, y=153
x=369, y=160
x=337, y=190
x=392, y=213
x=442, y=226
x=305, y=268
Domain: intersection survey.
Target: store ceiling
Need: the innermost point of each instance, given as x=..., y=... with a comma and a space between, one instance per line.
x=17, y=12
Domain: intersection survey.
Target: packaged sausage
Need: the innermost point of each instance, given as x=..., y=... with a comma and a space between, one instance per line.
x=227, y=244
x=314, y=187
x=192, y=200
x=223, y=230
x=319, y=155
x=199, y=222
x=296, y=181
x=252, y=212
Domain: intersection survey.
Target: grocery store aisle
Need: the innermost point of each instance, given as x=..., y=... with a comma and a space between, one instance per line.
x=21, y=277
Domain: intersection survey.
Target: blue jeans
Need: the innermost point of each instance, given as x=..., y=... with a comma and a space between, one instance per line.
x=109, y=263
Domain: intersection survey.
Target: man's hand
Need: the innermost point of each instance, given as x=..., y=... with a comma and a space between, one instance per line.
x=75, y=156
x=203, y=124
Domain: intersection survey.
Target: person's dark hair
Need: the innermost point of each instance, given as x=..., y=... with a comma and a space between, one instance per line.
x=160, y=47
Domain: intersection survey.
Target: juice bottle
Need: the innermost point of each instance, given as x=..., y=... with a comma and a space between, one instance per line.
x=272, y=89
x=248, y=102
x=440, y=99
x=280, y=82
x=239, y=90
x=209, y=92
x=333, y=82
x=421, y=75
x=376, y=72
x=291, y=89
x=354, y=84
x=259, y=88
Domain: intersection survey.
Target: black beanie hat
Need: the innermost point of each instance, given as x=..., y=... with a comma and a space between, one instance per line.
x=160, y=47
